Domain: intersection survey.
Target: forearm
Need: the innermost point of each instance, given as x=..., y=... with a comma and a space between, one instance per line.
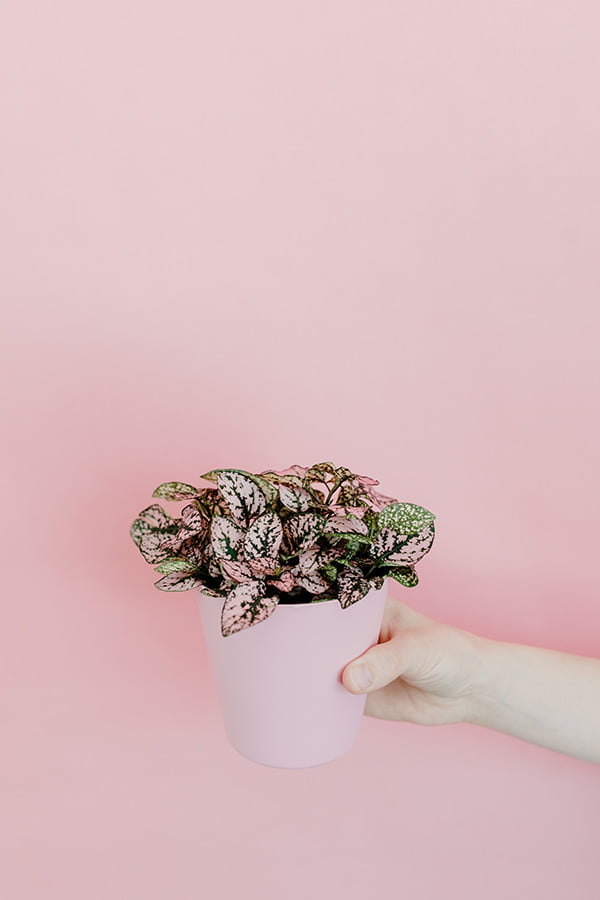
x=546, y=697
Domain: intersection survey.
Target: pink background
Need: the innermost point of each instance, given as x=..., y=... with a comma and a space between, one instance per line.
x=258, y=234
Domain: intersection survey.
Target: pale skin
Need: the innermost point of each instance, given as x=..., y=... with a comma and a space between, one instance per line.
x=430, y=673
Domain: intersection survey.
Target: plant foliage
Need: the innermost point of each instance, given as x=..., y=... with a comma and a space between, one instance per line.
x=296, y=535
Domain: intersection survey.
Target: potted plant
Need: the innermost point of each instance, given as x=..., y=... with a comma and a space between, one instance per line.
x=300, y=559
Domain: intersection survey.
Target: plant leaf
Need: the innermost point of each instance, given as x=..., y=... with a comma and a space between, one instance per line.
x=295, y=498
x=178, y=581
x=314, y=582
x=413, y=549
x=406, y=575
x=246, y=605
x=244, y=498
x=175, y=564
x=153, y=548
x=352, y=586
x=175, y=490
x=237, y=570
x=226, y=537
x=304, y=529
x=345, y=525
x=156, y=516
x=386, y=541
x=405, y=518
x=285, y=582
x=264, y=536
x=265, y=565
x=193, y=519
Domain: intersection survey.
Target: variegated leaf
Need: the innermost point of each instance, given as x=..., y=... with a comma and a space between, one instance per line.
x=175, y=490
x=226, y=538
x=406, y=575
x=359, y=511
x=311, y=560
x=277, y=479
x=154, y=548
x=175, y=564
x=156, y=516
x=285, y=582
x=413, y=549
x=406, y=518
x=264, y=536
x=178, y=581
x=237, y=570
x=139, y=528
x=352, y=586
x=270, y=491
x=187, y=545
x=212, y=592
x=264, y=484
x=193, y=519
x=345, y=525
x=308, y=561
x=291, y=475
x=365, y=480
x=214, y=569
x=244, y=498
x=313, y=582
x=378, y=501
x=386, y=541
x=246, y=605
x=265, y=565
x=304, y=529
x=295, y=498
x=322, y=473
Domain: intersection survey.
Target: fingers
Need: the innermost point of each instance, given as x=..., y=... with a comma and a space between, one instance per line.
x=379, y=665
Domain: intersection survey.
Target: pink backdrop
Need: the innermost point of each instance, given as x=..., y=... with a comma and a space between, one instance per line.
x=258, y=234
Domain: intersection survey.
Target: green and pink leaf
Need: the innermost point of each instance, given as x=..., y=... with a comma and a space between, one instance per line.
x=246, y=605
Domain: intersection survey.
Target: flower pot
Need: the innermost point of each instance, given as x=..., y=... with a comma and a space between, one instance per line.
x=279, y=681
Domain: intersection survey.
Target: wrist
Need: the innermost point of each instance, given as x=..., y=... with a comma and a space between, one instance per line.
x=488, y=681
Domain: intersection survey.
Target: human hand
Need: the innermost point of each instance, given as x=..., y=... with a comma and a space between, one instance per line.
x=423, y=671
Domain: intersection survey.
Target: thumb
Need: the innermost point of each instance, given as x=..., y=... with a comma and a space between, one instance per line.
x=378, y=666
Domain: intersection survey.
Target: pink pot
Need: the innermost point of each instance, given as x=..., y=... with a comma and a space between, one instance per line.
x=279, y=682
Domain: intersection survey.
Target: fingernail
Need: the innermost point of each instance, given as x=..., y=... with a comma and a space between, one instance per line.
x=361, y=676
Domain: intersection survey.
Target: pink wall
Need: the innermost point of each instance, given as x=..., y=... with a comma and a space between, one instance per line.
x=258, y=234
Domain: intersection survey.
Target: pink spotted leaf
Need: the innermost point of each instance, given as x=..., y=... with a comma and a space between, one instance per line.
x=226, y=537
x=264, y=536
x=237, y=570
x=265, y=565
x=178, y=581
x=244, y=497
x=304, y=529
x=285, y=582
x=413, y=549
x=246, y=605
x=352, y=586
x=295, y=498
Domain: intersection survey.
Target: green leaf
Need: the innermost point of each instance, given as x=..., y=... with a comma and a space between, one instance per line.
x=405, y=575
x=175, y=564
x=329, y=572
x=175, y=490
x=404, y=518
